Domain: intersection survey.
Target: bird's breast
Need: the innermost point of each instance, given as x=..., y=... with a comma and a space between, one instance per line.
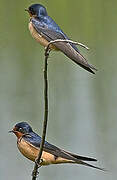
x=27, y=149
x=39, y=38
x=31, y=152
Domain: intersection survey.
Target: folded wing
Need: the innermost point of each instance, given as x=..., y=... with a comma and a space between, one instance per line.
x=69, y=49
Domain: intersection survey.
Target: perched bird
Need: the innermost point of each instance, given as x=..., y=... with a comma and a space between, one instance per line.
x=44, y=29
x=28, y=143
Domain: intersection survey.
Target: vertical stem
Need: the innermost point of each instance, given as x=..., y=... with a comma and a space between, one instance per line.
x=38, y=160
x=47, y=50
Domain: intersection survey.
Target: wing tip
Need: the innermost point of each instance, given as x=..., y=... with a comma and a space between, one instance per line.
x=92, y=67
x=88, y=67
x=83, y=158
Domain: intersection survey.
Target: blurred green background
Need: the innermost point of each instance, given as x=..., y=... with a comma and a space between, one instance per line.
x=82, y=106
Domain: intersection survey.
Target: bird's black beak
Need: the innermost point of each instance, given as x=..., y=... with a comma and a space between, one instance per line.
x=27, y=10
x=11, y=131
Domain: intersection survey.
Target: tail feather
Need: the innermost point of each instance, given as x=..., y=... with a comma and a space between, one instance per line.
x=85, y=67
x=80, y=160
x=81, y=61
x=92, y=166
x=77, y=57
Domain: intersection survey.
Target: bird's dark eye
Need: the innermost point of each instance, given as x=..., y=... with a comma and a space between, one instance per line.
x=21, y=130
x=32, y=11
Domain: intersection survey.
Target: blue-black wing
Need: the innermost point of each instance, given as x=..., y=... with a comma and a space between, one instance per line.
x=35, y=140
x=69, y=49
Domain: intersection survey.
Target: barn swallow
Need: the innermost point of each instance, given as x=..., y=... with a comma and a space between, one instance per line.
x=44, y=29
x=28, y=143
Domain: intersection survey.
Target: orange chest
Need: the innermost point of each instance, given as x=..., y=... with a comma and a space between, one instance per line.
x=31, y=152
x=27, y=149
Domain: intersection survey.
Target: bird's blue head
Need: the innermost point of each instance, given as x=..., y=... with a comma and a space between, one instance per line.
x=37, y=10
x=22, y=127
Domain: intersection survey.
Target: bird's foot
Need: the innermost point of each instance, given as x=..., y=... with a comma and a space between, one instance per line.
x=40, y=163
